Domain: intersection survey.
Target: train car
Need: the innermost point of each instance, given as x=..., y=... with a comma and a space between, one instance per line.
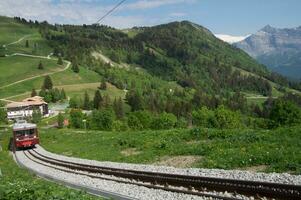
x=25, y=134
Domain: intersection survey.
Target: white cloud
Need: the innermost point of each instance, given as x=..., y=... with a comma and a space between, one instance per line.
x=230, y=38
x=64, y=12
x=147, y=4
x=83, y=11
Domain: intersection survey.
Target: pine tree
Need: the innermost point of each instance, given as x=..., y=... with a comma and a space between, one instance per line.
x=75, y=67
x=106, y=101
x=118, y=108
x=41, y=66
x=36, y=116
x=103, y=84
x=97, y=100
x=26, y=44
x=60, y=121
x=86, y=105
x=63, y=94
x=33, y=93
x=60, y=61
x=47, y=85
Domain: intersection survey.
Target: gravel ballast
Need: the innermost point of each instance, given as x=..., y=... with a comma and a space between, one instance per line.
x=127, y=190
x=284, y=178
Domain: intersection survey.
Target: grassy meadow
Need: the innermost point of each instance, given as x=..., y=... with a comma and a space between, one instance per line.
x=273, y=150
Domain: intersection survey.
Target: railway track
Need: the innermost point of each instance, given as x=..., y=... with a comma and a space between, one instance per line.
x=193, y=185
x=81, y=169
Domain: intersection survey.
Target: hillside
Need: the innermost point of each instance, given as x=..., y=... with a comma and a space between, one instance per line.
x=279, y=49
x=23, y=47
x=181, y=52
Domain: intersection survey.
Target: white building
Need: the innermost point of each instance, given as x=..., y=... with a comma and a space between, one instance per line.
x=26, y=107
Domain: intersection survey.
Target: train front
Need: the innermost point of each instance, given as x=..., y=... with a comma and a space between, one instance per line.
x=25, y=134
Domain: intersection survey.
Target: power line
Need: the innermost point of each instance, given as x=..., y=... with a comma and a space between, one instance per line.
x=110, y=11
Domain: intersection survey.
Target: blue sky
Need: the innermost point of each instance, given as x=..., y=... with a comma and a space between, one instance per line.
x=234, y=17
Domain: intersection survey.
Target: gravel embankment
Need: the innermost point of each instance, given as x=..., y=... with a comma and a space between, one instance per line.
x=284, y=178
x=132, y=191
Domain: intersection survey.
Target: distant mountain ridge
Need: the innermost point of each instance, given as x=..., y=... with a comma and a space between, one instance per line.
x=277, y=48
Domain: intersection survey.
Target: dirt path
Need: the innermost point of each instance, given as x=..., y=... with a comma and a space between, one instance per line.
x=22, y=38
x=37, y=76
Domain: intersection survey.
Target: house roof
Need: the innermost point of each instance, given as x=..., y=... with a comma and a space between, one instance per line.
x=32, y=101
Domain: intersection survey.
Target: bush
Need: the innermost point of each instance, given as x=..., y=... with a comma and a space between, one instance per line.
x=164, y=121
x=60, y=120
x=285, y=113
x=119, y=126
x=76, y=118
x=140, y=120
x=203, y=117
x=102, y=119
x=134, y=123
x=225, y=118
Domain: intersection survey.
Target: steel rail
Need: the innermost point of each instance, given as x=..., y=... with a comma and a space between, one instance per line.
x=151, y=185
x=251, y=188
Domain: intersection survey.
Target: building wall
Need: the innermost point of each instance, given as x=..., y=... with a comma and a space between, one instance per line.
x=14, y=113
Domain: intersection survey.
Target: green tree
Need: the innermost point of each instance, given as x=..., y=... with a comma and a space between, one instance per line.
x=2, y=112
x=33, y=93
x=26, y=44
x=40, y=66
x=97, y=101
x=285, y=113
x=103, y=84
x=76, y=118
x=134, y=123
x=60, y=61
x=60, y=120
x=102, y=119
x=225, y=118
x=63, y=94
x=47, y=83
x=135, y=100
x=75, y=67
x=74, y=103
x=164, y=121
x=203, y=117
x=36, y=116
x=86, y=105
x=118, y=108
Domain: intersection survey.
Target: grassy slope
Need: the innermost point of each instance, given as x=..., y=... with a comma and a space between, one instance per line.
x=17, y=183
x=17, y=67
x=229, y=149
x=11, y=31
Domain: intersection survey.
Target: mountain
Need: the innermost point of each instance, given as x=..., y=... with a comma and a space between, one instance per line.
x=279, y=49
x=230, y=38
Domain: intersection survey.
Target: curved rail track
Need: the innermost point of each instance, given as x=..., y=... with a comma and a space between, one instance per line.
x=194, y=185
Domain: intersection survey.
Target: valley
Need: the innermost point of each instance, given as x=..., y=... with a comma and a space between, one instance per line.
x=171, y=95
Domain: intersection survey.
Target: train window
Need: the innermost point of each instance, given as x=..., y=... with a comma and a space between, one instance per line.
x=25, y=132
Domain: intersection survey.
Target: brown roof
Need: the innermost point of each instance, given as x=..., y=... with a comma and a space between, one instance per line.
x=32, y=101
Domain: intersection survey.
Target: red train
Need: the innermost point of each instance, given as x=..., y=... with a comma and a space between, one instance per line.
x=25, y=134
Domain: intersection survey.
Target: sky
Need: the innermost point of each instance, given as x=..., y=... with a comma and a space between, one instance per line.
x=232, y=17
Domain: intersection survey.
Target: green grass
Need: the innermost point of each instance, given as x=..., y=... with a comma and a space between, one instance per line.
x=16, y=68
x=279, y=149
x=67, y=77
x=17, y=183
x=11, y=31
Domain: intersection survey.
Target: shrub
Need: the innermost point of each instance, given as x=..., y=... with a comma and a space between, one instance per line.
x=203, y=117
x=60, y=121
x=164, y=121
x=225, y=118
x=76, y=118
x=102, y=119
x=285, y=113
